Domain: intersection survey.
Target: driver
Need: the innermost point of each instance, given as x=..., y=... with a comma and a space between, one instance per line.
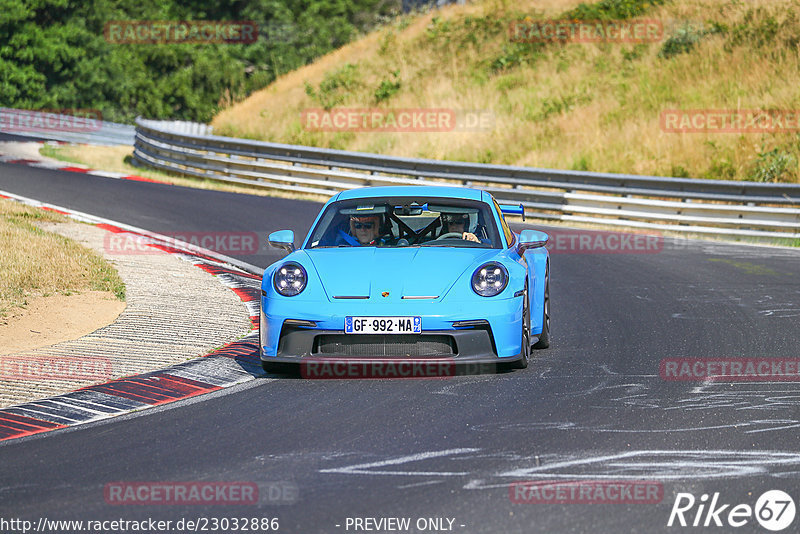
x=458, y=223
x=366, y=230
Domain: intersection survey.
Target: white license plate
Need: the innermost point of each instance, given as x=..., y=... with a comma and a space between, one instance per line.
x=382, y=325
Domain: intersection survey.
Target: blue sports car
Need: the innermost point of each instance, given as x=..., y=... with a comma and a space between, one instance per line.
x=418, y=273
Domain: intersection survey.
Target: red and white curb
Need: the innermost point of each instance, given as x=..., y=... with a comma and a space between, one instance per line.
x=235, y=363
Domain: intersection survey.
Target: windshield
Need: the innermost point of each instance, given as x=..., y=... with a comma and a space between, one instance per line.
x=406, y=222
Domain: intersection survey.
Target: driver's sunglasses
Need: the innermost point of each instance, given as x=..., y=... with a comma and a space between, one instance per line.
x=359, y=226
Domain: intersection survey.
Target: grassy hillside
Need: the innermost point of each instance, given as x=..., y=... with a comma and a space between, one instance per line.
x=576, y=105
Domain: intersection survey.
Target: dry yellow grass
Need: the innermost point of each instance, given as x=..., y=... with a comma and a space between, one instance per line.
x=37, y=263
x=576, y=106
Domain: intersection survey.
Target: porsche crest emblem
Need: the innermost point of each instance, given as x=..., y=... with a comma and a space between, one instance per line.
x=385, y=294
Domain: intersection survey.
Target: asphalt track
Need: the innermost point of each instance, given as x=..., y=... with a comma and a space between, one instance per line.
x=592, y=407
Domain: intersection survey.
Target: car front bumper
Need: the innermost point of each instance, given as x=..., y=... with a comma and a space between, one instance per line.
x=286, y=341
x=494, y=333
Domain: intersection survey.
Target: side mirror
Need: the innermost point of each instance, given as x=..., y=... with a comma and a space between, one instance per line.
x=282, y=239
x=531, y=239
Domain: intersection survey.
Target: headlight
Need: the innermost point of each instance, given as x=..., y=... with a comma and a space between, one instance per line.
x=489, y=279
x=289, y=279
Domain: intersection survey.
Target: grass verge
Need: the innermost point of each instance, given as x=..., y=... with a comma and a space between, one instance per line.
x=36, y=263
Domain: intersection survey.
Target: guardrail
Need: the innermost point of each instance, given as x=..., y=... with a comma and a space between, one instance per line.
x=746, y=209
x=67, y=128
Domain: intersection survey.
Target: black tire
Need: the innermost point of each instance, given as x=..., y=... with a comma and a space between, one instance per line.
x=268, y=367
x=544, y=337
x=522, y=363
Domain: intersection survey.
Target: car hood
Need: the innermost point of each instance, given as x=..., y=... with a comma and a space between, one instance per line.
x=403, y=272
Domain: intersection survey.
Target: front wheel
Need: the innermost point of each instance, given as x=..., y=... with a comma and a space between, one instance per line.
x=544, y=337
x=522, y=363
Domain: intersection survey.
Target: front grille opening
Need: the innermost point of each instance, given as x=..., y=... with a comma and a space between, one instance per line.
x=381, y=345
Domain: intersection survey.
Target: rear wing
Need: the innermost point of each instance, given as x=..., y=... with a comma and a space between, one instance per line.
x=513, y=209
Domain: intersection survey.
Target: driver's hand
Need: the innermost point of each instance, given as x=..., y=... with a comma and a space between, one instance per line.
x=470, y=237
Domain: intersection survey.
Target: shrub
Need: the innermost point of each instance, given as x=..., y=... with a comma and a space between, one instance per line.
x=679, y=171
x=612, y=9
x=580, y=164
x=759, y=30
x=335, y=86
x=388, y=88
x=516, y=54
x=688, y=35
x=774, y=165
x=562, y=104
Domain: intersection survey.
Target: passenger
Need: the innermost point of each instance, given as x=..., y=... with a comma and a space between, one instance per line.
x=458, y=223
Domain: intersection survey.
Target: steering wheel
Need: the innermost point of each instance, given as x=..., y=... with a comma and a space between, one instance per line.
x=450, y=235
